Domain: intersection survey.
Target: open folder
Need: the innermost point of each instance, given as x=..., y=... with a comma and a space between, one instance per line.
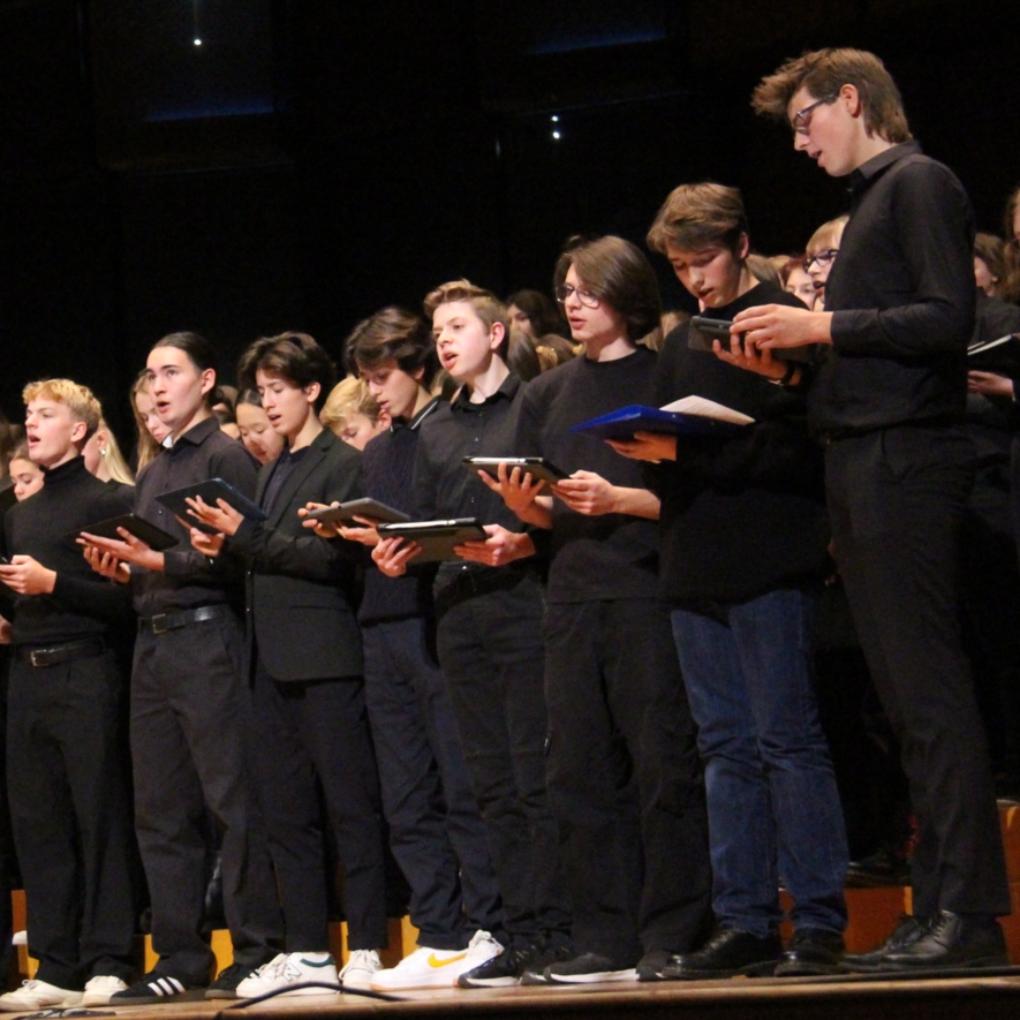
x=689, y=416
x=1001, y=356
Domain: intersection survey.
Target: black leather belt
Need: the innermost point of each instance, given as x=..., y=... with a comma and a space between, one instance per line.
x=163, y=622
x=65, y=652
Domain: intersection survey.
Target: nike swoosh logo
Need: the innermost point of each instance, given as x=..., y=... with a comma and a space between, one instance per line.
x=433, y=962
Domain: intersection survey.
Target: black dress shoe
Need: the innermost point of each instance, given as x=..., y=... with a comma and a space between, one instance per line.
x=813, y=951
x=881, y=868
x=907, y=931
x=727, y=953
x=953, y=940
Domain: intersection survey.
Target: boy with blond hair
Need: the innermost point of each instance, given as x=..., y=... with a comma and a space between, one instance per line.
x=69, y=801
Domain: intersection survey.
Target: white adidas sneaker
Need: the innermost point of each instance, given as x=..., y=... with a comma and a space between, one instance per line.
x=436, y=968
x=286, y=972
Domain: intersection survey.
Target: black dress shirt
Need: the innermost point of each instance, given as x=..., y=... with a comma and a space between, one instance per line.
x=902, y=293
x=189, y=579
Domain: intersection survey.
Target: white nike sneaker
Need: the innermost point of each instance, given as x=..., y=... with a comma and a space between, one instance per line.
x=35, y=994
x=285, y=972
x=436, y=968
x=362, y=965
x=100, y=988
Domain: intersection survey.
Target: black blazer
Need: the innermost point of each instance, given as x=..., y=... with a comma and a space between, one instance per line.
x=297, y=584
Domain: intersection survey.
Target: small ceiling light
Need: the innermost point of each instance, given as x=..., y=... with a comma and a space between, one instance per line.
x=197, y=41
x=555, y=118
x=556, y=136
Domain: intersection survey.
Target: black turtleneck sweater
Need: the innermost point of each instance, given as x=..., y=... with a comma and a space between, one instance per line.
x=743, y=514
x=44, y=526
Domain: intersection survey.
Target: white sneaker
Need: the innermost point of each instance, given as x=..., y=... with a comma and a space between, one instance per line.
x=99, y=989
x=285, y=971
x=436, y=968
x=362, y=965
x=36, y=994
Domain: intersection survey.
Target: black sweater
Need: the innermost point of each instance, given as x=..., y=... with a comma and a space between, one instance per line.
x=44, y=526
x=612, y=556
x=744, y=514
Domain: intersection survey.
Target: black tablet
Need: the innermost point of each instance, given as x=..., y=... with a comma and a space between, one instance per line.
x=538, y=467
x=436, y=538
x=702, y=330
x=210, y=490
x=366, y=507
x=154, y=537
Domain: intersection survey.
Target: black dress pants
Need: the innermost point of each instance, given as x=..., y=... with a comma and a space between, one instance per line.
x=309, y=733
x=625, y=779
x=436, y=830
x=190, y=721
x=70, y=810
x=490, y=650
x=896, y=499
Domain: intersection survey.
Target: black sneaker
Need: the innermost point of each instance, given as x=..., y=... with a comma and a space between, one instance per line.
x=502, y=970
x=727, y=953
x=650, y=967
x=534, y=972
x=156, y=987
x=225, y=985
x=590, y=968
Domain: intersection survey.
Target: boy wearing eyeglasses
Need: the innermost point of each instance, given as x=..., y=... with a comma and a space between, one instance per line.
x=888, y=405
x=624, y=777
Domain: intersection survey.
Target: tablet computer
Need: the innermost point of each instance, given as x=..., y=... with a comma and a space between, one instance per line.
x=702, y=330
x=538, y=467
x=436, y=538
x=154, y=537
x=366, y=507
x=210, y=490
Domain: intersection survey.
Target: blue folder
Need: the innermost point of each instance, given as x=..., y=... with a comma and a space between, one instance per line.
x=624, y=422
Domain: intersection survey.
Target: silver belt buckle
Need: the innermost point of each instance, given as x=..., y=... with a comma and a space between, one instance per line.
x=37, y=657
x=158, y=623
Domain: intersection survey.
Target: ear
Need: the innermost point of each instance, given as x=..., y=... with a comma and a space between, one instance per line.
x=207, y=380
x=418, y=374
x=312, y=391
x=497, y=331
x=851, y=98
x=78, y=432
x=743, y=246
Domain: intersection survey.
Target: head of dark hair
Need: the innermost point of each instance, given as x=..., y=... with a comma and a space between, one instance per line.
x=248, y=396
x=392, y=334
x=540, y=309
x=620, y=274
x=296, y=357
x=194, y=345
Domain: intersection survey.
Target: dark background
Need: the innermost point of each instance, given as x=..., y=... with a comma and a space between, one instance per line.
x=314, y=160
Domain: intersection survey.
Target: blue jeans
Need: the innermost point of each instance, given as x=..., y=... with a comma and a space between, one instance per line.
x=773, y=807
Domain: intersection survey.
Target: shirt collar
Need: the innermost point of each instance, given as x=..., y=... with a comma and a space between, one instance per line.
x=506, y=391
x=199, y=433
x=867, y=172
x=413, y=423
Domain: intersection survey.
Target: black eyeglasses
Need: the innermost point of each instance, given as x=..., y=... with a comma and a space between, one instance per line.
x=587, y=298
x=823, y=258
x=801, y=121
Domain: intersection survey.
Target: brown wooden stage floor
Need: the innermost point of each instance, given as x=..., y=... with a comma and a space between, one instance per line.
x=985, y=997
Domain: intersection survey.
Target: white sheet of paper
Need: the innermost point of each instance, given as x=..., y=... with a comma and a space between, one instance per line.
x=705, y=408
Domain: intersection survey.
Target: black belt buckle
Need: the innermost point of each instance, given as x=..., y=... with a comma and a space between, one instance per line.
x=39, y=657
x=160, y=623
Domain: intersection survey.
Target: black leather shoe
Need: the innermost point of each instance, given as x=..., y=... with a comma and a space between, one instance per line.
x=953, y=940
x=727, y=953
x=907, y=931
x=813, y=951
x=881, y=868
